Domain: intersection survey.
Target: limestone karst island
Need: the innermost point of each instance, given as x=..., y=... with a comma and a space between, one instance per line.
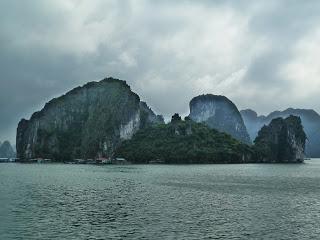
x=105, y=122
x=159, y=119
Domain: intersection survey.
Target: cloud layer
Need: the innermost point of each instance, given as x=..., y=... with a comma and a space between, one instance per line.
x=260, y=54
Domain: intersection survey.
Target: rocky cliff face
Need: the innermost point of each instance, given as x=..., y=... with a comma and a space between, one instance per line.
x=310, y=121
x=87, y=122
x=220, y=113
x=6, y=150
x=283, y=140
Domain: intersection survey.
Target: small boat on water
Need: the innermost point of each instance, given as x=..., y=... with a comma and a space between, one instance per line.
x=119, y=161
x=157, y=161
x=90, y=161
x=103, y=161
x=80, y=161
x=44, y=160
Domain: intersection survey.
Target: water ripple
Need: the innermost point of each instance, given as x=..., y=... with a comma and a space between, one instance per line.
x=160, y=202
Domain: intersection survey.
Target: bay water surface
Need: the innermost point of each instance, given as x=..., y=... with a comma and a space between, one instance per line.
x=223, y=201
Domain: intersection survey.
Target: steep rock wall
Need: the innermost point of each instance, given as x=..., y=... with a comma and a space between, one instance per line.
x=220, y=113
x=283, y=140
x=87, y=122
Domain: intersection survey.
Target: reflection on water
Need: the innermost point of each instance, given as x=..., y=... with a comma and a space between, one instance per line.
x=252, y=201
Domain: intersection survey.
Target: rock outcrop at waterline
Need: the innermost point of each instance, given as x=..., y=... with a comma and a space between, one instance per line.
x=310, y=120
x=87, y=122
x=282, y=141
x=220, y=113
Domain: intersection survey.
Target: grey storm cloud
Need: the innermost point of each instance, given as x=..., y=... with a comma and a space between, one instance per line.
x=261, y=54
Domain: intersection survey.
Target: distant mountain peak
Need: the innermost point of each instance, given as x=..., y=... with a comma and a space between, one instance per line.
x=249, y=112
x=6, y=150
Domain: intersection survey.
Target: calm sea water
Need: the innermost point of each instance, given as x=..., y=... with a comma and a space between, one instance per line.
x=252, y=201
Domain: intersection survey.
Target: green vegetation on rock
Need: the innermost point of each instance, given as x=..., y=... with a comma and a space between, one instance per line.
x=106, y=119
x=87, y=122
x=190, y=142
x=283, y=140
x=183, y=142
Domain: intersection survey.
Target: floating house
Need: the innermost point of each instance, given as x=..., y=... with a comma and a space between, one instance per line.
x=119, y=161
x=4, y=160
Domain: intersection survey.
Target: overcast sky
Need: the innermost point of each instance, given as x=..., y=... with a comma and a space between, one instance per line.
x=263, y=55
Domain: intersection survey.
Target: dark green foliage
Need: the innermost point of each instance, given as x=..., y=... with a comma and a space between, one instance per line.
x=175, y=118
x=183, y=142
x=189, y=142
x=187, y=118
